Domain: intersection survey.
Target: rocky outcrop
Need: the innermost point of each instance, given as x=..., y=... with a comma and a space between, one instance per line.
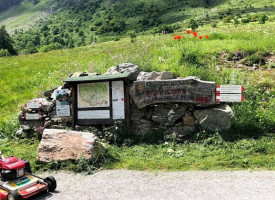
x=154, y=76
x=57, y=144
x=125, y=67
x=214, y=118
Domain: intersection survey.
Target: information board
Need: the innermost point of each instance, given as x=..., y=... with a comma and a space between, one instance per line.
x=118, y=100
x=94, y=114
x=93, y=95
x=62, y=104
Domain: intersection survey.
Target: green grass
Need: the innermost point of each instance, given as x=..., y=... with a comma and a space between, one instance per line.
x=27, y=76
x=245, y=146
x=213, y=153
x=24, y=149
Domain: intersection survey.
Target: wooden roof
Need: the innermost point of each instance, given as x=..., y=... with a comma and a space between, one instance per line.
x=95, y=78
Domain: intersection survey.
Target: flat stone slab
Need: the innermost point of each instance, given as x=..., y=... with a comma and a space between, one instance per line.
x=59, y=144
x=188, y=90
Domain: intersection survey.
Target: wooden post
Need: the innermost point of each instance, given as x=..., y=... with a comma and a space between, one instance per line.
x=127, y=99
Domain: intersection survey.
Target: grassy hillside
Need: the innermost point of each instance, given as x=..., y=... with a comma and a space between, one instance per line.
x=249, y=144
x=47, y=24
x=27, y=76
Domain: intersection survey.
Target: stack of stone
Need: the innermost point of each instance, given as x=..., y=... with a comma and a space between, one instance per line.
x=40, y=113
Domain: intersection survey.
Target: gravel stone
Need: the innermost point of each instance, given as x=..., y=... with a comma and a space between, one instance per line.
x=144, y=185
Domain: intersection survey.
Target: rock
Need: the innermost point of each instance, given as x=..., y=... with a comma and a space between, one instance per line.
x=19, y=132
x=62, y=120
x=78, y=74
x=168, y=114
x=49, y=93
x=57, y=144
x=154, y=76
x=26, y=127
x=143, y=126
x=189, y=120
x=125, y=67
x=214, y=118
x=46, y=105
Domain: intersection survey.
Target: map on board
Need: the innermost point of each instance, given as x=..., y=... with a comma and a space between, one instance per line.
x=93, y=95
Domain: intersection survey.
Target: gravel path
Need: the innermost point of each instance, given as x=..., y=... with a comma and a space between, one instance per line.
x=142, y=185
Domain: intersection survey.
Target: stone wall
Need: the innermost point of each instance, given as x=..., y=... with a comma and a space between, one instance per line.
x=178, y=118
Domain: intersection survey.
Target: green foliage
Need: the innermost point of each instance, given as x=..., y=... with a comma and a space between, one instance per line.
x=6, y=41
x=193, y=24
x=50, y=47
x=245, y=21
x=255, y=58
x=4, y=52
x=227, y=19
x=262, y=18
x=236, y=21
x=8, y=128
x=132, y=35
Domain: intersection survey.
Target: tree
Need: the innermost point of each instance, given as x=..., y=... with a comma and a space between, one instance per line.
x=6, y=41
x=193, y=24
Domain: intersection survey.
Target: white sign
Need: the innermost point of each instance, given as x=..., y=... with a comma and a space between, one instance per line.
x=94, y=114
x=118, y=100
x=62, y=104
x=230, y=89
x=32, y=116
x=34, y=105
x=229, y=97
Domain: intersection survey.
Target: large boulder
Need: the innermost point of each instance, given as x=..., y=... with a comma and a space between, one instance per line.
x=168, y=114
x=143, y=76
x=125, y=68
x=58, y=144
x=214, y=118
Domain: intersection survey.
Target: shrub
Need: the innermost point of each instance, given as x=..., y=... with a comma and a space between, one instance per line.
x=193, y=24
x=245, y=21
x=262, y=18
x=50, y=47
x=4, y=52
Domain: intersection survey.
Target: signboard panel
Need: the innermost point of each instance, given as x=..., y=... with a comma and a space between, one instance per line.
x=94, y=114
x=230, y=89
x=93, y=95
x=189, y=90
x=62, y=104
x=229, y=97
x=32, y=116
x=34, y=105
x=118, y=100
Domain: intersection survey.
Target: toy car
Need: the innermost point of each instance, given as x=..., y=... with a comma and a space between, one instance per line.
x=18, y=182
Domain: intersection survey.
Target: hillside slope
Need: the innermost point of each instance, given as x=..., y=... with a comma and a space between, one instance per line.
x=139, y=15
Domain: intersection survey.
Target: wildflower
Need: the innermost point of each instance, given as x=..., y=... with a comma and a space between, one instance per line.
x=178, y=37
x=200, y=37
x=206, y=36
x=188, y=31
x=195, y=34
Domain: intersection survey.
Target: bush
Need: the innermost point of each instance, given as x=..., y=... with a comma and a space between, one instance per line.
x=4, y=52
x=50, y=47
x=255, y=58
x=193, y=24
x=262, y=18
